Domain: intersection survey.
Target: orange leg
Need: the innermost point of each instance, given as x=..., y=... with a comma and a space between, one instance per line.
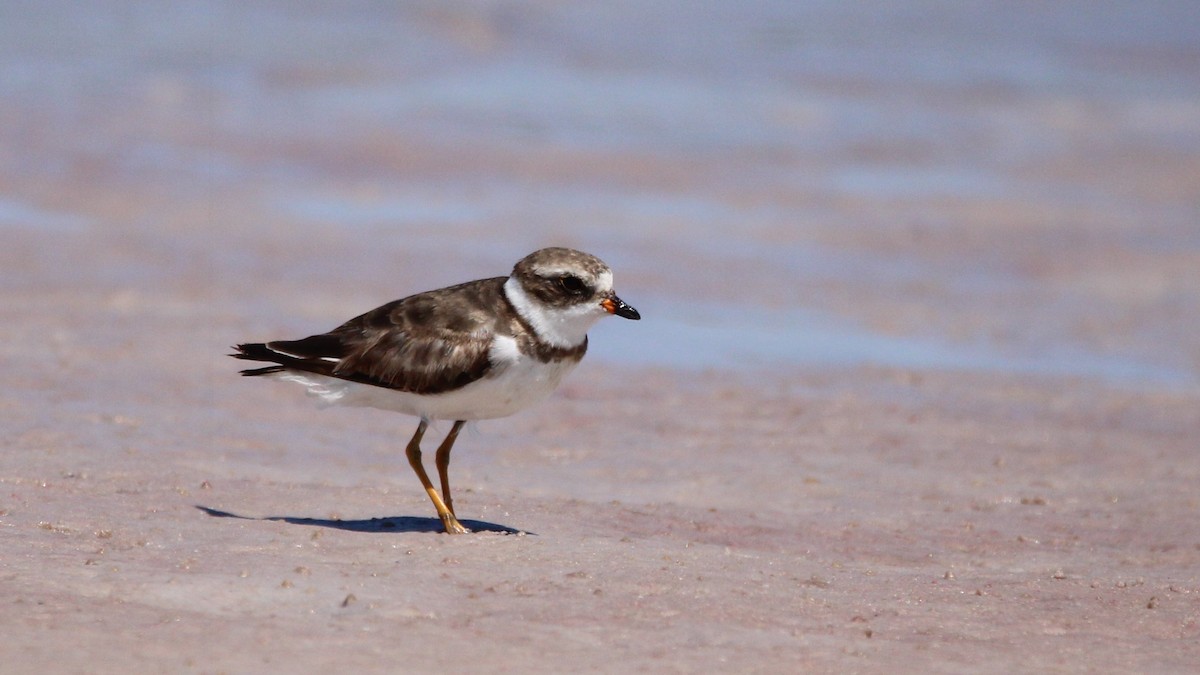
x=413, y=451
x=443, y=463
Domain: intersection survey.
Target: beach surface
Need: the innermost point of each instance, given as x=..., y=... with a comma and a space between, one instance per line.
x=916, y=388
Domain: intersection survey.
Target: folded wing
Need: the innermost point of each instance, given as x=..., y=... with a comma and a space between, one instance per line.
x=407, y=345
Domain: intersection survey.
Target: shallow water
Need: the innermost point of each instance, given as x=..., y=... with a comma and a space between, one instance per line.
x=977, y=187
x=719, y=338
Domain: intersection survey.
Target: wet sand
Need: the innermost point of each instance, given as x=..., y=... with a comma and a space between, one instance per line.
x=917, y=387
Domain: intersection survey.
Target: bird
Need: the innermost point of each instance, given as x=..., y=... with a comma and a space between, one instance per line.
x=479, y=350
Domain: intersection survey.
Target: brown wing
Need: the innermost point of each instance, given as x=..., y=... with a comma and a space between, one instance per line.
x=426, y=343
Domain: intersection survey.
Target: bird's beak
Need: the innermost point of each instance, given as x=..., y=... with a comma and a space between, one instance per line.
x=615, y=305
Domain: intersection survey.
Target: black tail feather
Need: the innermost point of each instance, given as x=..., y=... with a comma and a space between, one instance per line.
x=310, y=354
x=254, y=351
x=251, y=372
x=257, y=352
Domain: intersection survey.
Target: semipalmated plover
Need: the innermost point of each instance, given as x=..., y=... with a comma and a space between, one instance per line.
x=479, y=350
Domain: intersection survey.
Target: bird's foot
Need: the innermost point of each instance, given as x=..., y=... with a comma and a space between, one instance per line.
x=453, y=526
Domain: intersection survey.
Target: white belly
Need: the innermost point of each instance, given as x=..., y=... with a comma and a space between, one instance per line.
x=521, y=383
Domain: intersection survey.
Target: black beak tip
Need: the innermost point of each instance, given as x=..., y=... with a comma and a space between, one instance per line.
x=617, y=306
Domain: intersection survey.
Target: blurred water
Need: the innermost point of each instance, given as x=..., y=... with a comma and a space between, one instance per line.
x=16, y=213
x=716, y=338
x=877, y=160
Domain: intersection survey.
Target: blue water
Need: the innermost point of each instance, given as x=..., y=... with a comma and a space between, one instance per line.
x=759, y=339
x=18, y=213
x=775, y=138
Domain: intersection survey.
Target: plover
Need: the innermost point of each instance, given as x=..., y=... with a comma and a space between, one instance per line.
x=479, y=350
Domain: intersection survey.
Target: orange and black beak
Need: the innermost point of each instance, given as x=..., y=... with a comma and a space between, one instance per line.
x=615, y=305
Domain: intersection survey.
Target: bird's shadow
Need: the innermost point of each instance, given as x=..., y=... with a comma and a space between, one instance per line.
x=392, y=524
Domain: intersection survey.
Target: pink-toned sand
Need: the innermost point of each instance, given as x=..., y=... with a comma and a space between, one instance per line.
x=917, y=387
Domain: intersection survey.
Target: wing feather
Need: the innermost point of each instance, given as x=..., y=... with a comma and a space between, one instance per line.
x=425, y=344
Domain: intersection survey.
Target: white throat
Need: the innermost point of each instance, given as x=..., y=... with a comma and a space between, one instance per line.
x=562, y=327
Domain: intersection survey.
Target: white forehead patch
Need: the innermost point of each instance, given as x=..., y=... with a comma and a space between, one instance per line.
x=605, y=282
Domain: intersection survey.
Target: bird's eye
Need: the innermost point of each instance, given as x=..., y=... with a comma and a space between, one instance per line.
x=572, y=284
